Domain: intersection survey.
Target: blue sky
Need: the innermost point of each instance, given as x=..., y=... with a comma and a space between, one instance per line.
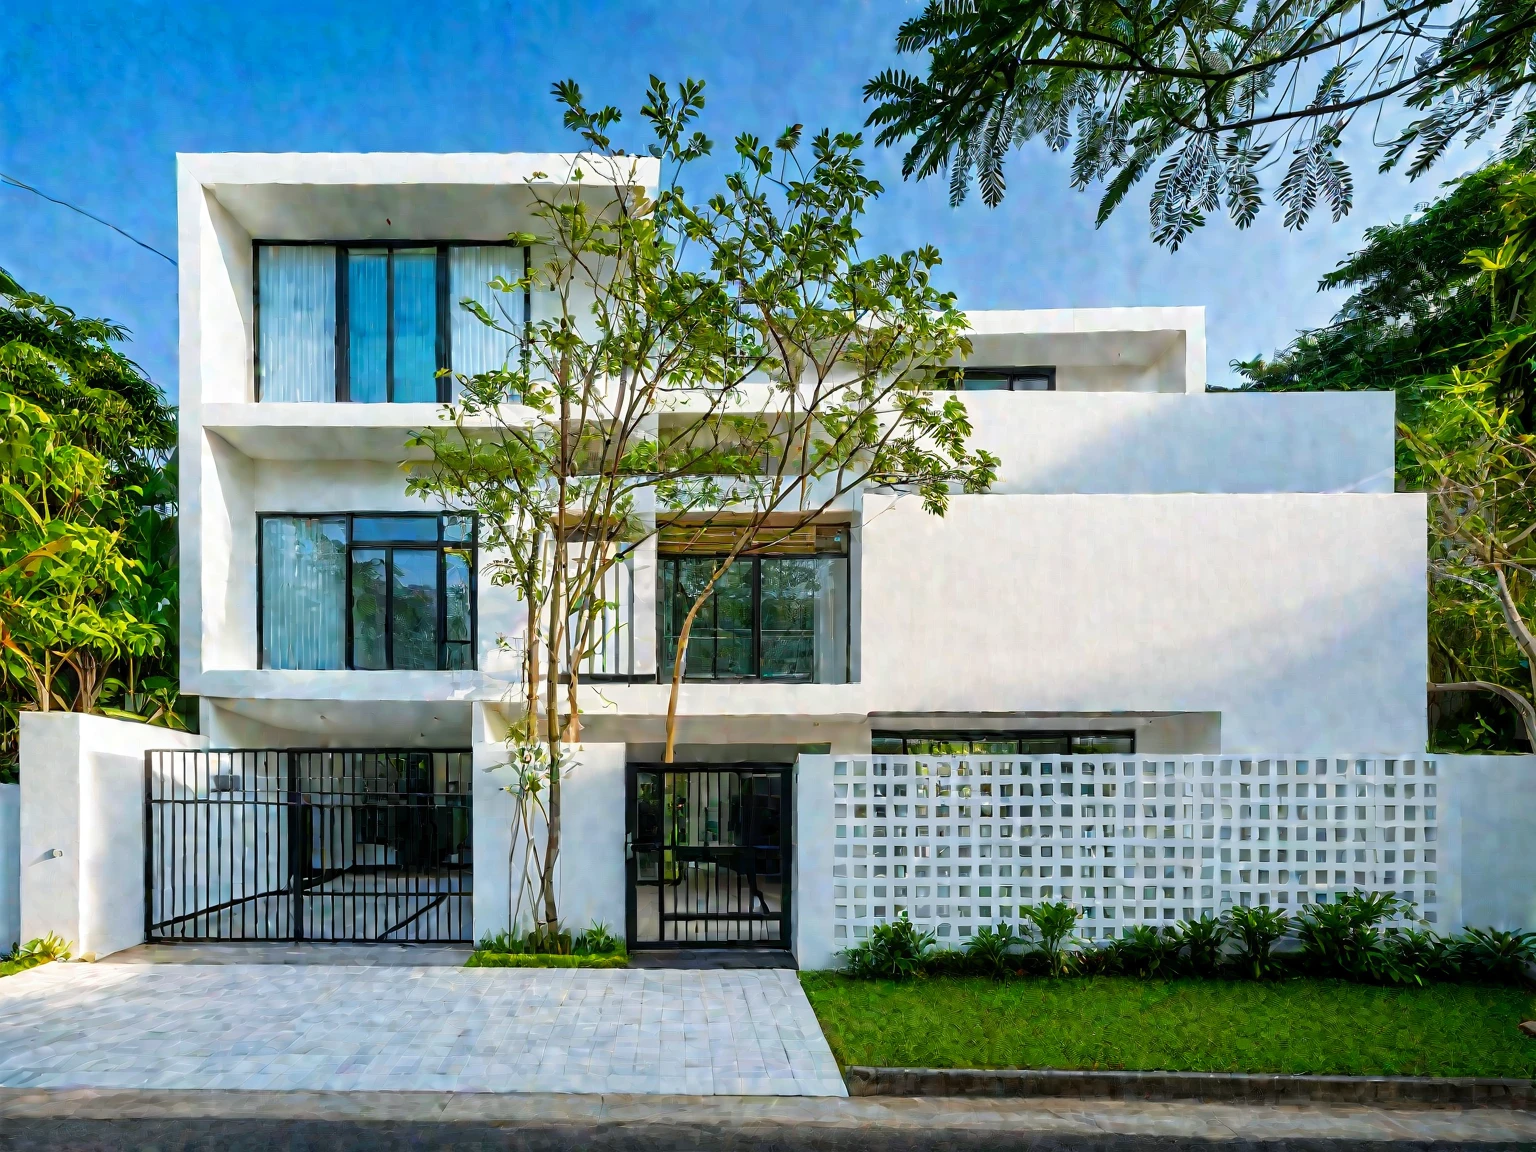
x=96, y=99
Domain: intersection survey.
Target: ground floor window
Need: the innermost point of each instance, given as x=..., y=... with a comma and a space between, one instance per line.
x=779, y=615
x=1003, y=743
x=367, y=592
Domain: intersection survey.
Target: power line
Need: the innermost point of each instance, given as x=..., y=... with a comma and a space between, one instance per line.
x=15, y=183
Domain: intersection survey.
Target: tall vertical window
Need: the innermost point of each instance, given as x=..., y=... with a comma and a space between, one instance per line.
x=375, y=323
x=780, y=614
x=368, y=592
x=296, y=353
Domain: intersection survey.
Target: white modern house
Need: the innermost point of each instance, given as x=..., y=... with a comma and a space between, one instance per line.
x=1162, y=577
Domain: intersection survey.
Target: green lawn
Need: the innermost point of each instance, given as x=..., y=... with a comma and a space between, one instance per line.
x=1304, y=1026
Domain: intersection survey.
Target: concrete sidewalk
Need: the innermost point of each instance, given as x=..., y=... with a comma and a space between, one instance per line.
x=340, y=1122
x=385, y=1028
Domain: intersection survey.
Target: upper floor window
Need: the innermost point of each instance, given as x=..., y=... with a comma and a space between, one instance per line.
x=1036, y=379
x=376, y=322
x=367, y=592
x=781, y=614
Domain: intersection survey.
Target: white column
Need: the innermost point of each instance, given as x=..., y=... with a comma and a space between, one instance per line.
x=812, y=892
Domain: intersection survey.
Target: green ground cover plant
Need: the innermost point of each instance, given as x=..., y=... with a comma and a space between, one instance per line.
x=1297, y=1025
x=597, y=947
x=33, y=953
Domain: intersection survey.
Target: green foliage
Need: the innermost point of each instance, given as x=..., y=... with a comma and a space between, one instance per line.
x=42, y=950
x=1202, y=942
x=990, y=950
x=1208, y=95
x=1439, y=311
x=1347, y=938
x=1255, y=931
x=725, y=360
x=1148, y=951
x=1291, y=1026
x=87, y=522
x=1053, y=923
x=597, y=940
x=894, y=950
x=1494, y=954
x=525, y=960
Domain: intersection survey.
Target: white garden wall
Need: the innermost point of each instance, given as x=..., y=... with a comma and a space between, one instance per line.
x=82, y=827
x=10, y=866
x=958, y=842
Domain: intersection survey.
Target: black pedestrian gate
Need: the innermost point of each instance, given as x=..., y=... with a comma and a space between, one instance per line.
x=708, y=855
x=364, y=846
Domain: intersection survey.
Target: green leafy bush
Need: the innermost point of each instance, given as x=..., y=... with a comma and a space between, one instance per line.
x=597, y=940
x=1148, y=951
x=1346, y=938
x=1053, y=922
x=1256, y=930
x=990, y=950
x=895, y=950
x=1493, y=954
x=523, y=960
x=1202, y=941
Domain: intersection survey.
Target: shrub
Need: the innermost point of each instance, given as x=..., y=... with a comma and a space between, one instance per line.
x=42, y=950
x=597, y=941
x=1054, y=923
x=989, y=951
x=1148, y=951
x=1256, y=930
x=1202, y=941
x=1424, y=954
x=1493, y=954
x=894, y=951
x=1345, y=939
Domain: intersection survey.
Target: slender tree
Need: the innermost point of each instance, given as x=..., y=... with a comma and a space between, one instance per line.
x=718, y=362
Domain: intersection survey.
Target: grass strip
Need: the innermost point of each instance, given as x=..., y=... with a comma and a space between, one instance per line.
x=530, y=960
x=1184, y=1025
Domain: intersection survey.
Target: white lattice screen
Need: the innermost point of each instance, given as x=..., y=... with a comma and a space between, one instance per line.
x=961, y=841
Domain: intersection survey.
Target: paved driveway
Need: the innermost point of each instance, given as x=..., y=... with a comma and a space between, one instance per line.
x=243, y=1026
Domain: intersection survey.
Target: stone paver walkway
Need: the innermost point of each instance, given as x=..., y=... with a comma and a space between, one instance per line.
x=252, y=1027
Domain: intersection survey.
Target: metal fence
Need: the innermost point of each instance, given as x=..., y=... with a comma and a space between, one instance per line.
x=336, y=845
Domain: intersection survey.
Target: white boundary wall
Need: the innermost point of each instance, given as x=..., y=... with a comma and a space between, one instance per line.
x=10, y=866
x=82, y=827
x=957, y=842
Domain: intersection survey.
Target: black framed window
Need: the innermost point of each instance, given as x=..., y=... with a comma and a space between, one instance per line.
x=368, y=591
x=375, y=322
x=1039, y=378
x=781, y=615
x=1003, y=743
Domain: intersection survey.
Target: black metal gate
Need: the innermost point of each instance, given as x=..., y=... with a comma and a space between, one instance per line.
x=308, y=845
x=708, y=855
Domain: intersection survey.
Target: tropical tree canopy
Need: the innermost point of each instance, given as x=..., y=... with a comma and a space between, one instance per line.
x=87, y=522
x=1439, y=313
x=1219, y=97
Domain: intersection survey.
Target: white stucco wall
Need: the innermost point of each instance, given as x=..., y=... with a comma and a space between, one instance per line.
x=590, y=873
x=811, y=904
x=1296, y=617
x=1495, y=801
x=82, y=827
x=1092, y=442
x=10, y=866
